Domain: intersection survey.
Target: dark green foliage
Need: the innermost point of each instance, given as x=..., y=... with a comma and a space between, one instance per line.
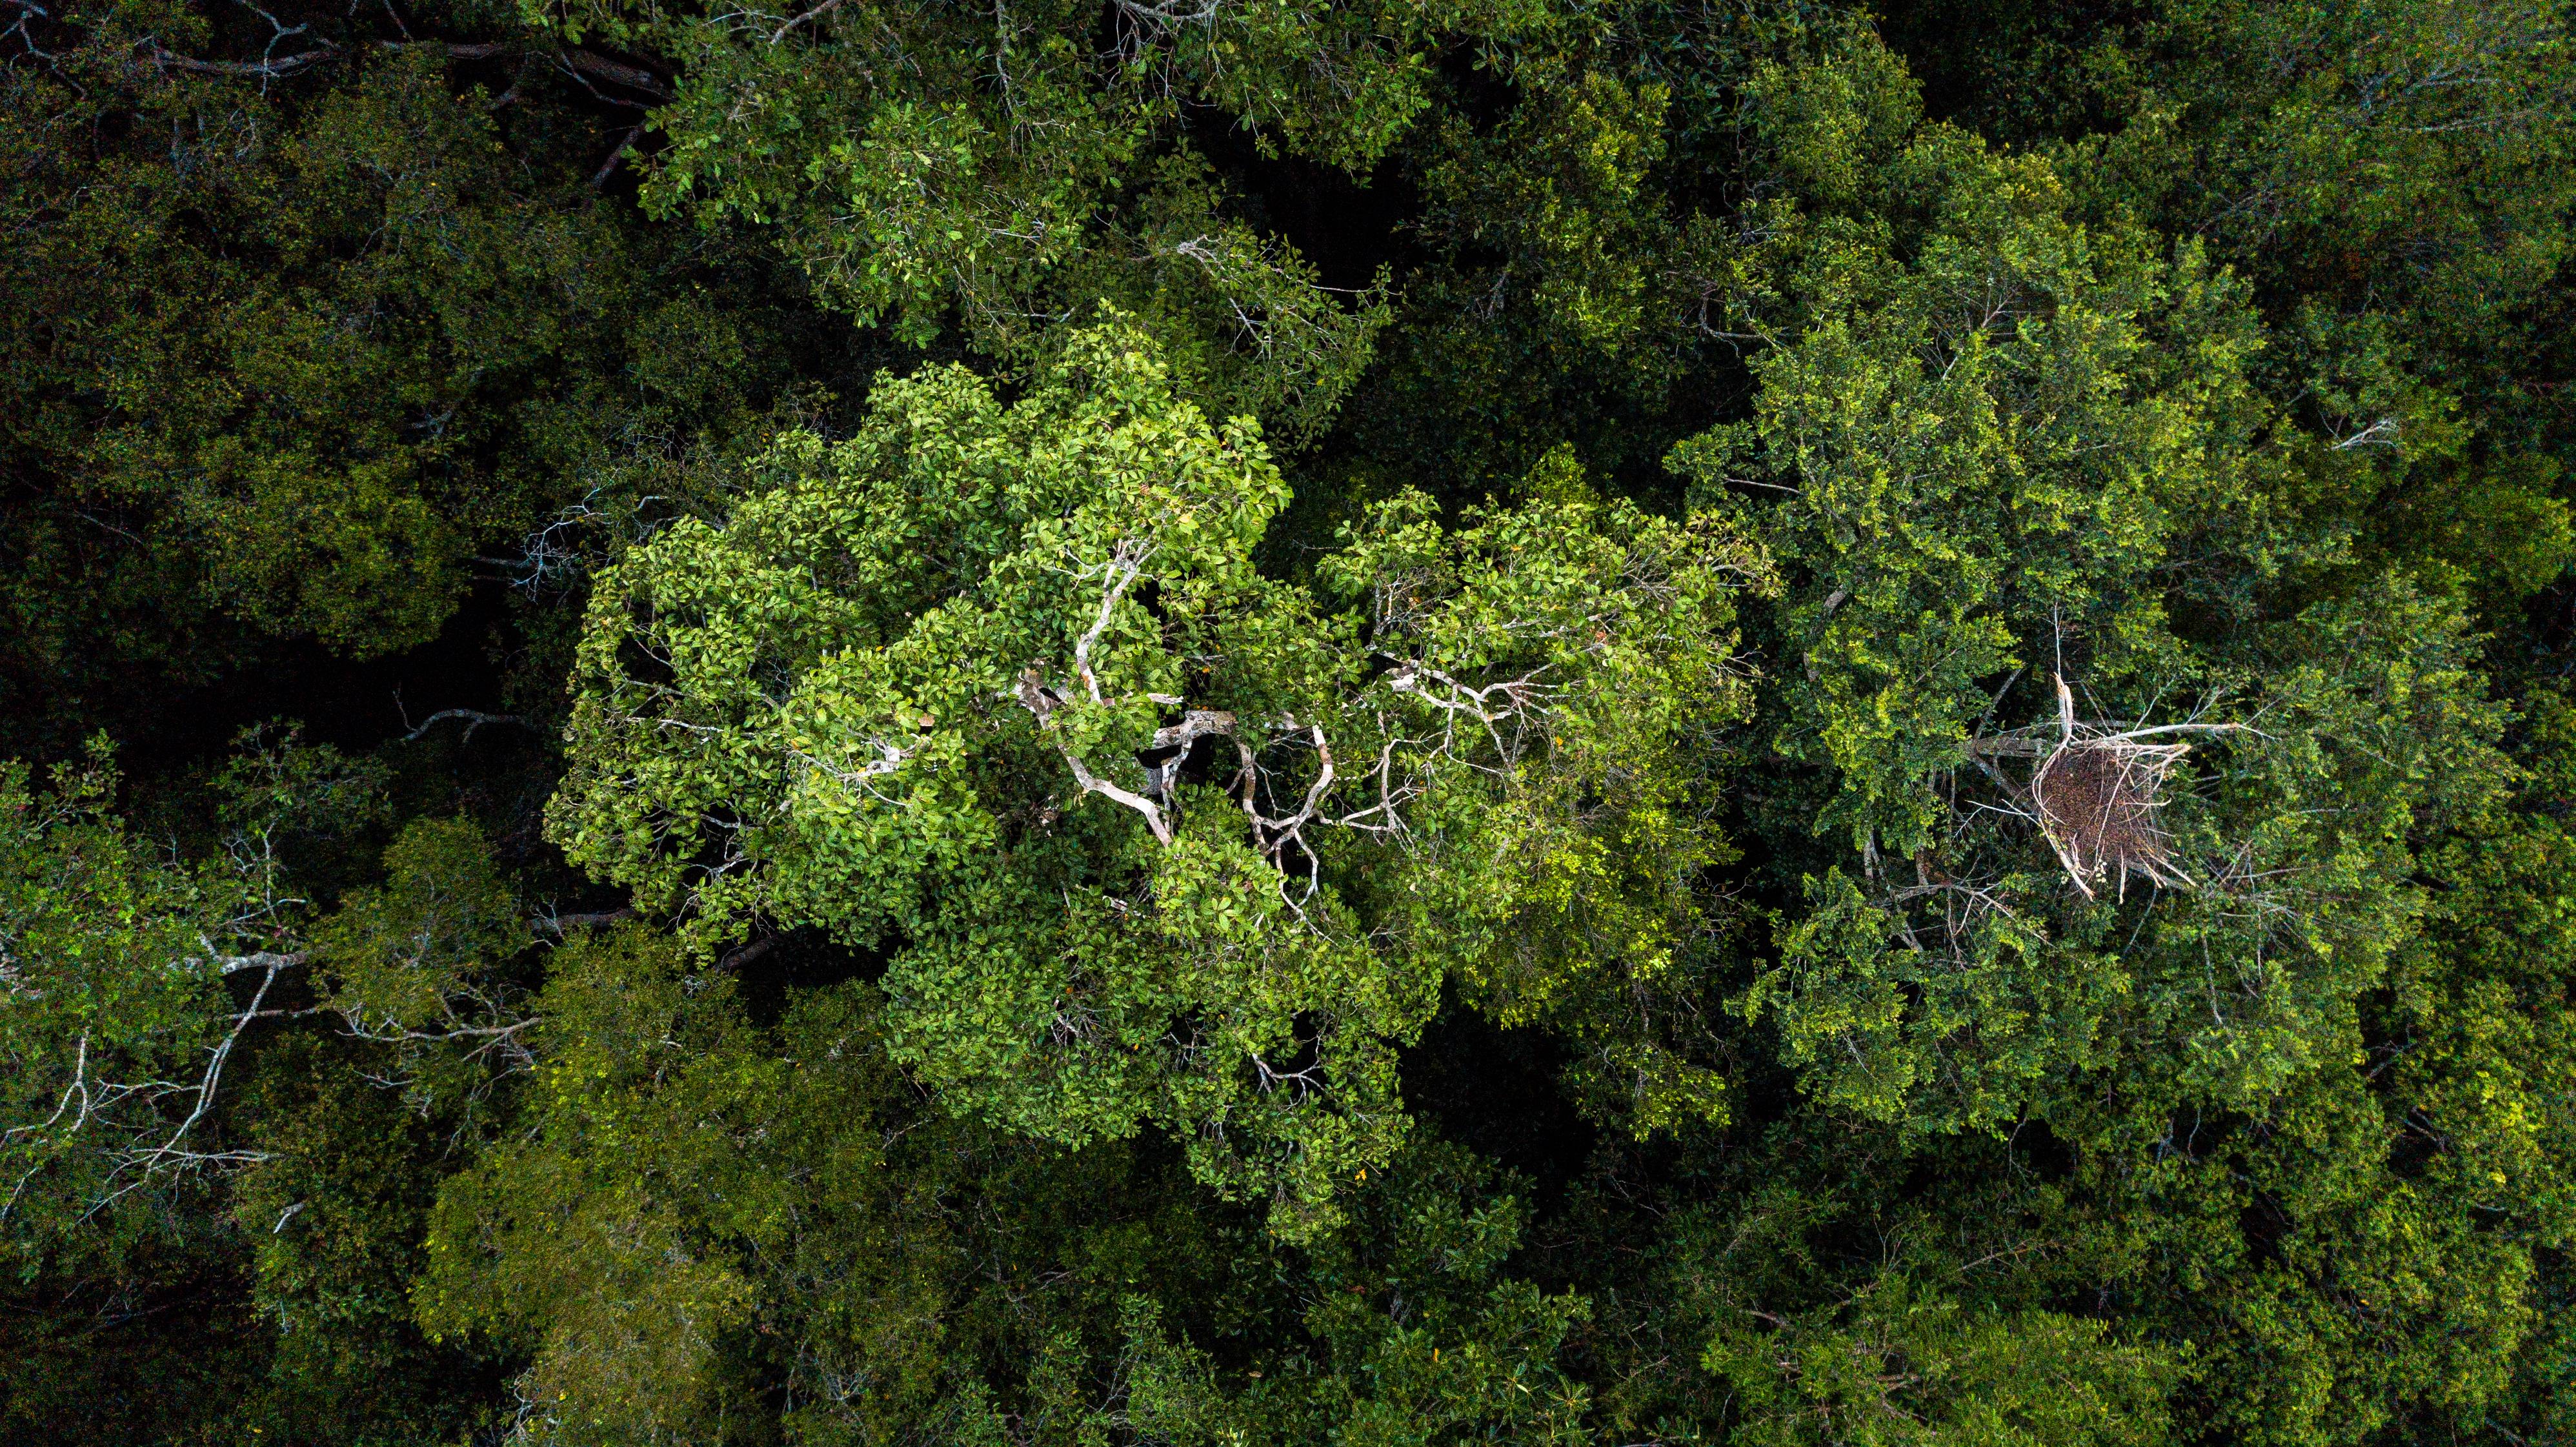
x=298, y=352
x=1866, y=740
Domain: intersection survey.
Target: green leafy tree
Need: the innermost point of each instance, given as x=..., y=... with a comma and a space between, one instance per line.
x=1884, y=761
x=1901, y=1365
x=307, y=326
x=947, y=690
x=1005, y=170
x=701, y=1206
x=2030, y=454
x=122, y=972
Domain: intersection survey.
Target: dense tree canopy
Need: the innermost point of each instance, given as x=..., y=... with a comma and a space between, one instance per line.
x=1242, y=721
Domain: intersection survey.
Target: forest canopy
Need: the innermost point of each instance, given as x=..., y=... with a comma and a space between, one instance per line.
x=1253, y=722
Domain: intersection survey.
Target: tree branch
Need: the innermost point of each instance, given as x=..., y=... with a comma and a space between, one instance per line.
x=476, y=719
x=562, y=925
x=632, y=77
x=263, y=69
x=625, y=145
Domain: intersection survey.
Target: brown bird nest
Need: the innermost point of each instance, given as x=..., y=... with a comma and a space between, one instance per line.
x=2098, y=800
x=2098, y=796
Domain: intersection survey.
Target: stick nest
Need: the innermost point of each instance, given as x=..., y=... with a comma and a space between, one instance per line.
x=2098, y=793
x=2099, y=798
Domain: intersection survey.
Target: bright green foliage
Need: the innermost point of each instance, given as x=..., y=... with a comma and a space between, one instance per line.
x=2017, y=458
x=938, y=689
x=117, y=966
x=1897, y=1364
x=93, y=922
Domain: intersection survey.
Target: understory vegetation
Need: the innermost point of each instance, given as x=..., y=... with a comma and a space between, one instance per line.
x=1253, y=722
